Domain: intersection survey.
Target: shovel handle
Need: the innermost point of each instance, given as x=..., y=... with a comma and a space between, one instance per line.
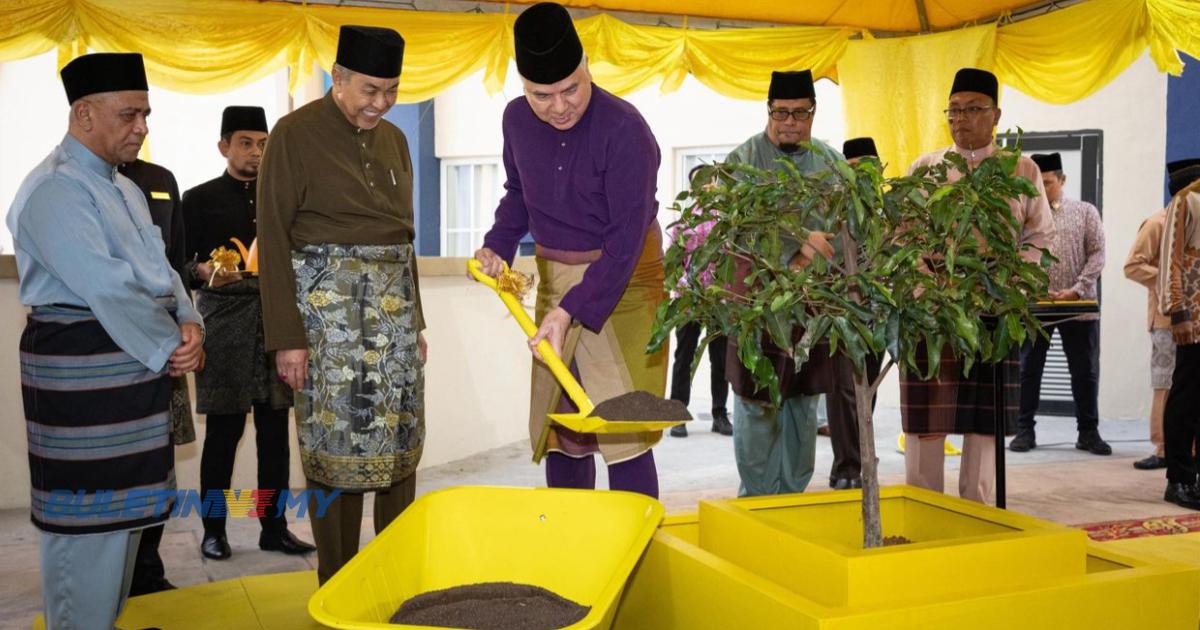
x=552, y=361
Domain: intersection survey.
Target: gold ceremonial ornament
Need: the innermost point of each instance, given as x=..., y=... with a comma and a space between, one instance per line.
x=223, y=261
x=250, y=255
x=515, y=282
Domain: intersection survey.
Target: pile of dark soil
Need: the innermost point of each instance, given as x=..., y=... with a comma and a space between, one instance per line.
x=644, y=406
x=491, y=606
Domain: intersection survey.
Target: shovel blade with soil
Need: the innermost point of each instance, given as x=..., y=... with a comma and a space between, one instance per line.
x=634, y=412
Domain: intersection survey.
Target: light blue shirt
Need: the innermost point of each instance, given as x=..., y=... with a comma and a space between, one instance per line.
x=83, y=237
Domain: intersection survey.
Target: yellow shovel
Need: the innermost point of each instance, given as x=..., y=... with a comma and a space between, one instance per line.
x=580, y=422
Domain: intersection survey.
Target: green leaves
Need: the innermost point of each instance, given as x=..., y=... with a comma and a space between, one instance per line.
x=932, y=260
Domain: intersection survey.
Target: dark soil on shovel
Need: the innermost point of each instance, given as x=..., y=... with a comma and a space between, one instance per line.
x=888, y=541
x=640, y=406
x=491, y=606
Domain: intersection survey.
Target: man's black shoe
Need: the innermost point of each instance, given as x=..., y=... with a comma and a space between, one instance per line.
x=1026, y=440
x=215, y=547
x=1153, y=462
x=284, y=541
x=721, y=423
x=679, y=430
x=1091, y=442
x=1183, y=495
x=842, y=483
x=150, y=586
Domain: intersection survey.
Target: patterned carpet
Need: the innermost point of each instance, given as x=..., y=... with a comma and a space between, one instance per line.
x=1142, y=527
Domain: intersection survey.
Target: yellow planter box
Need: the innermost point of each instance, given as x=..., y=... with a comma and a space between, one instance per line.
x=581, y=544
x=795, y=561
x=958, y=547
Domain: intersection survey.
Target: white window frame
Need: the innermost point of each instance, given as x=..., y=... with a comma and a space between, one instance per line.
x=444, y=197
x=679, y=181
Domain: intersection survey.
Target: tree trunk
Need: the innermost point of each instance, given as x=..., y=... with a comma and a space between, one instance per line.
x=872, y=525
x=864, y=392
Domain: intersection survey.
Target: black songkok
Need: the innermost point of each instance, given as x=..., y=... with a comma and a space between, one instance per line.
x=1181, y=174
x=103, y=72
x=859, y=147
x=243, y=118
x=1047, y=162
x=548, y=49
x=790, y=85
x=375, y=52
x=976, y=80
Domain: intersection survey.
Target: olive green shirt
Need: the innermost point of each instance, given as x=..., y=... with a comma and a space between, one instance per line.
x=324, y=180
x=760, y=153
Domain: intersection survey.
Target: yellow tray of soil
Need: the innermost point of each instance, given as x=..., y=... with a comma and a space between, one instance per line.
x=580, y=544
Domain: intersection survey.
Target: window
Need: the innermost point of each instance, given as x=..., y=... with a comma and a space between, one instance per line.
x=690, y=158
x=471, y=189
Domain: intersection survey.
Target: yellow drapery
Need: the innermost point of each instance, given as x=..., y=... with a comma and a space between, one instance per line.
x=894, y=90
x=1059, y=58
x=735, y=63
x=209, y=46
x=203, y=46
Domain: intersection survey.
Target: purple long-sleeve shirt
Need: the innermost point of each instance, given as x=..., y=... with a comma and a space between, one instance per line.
x=590, y=187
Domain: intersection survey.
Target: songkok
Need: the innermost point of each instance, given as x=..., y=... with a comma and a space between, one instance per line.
x=103, y=72
x=243, y=118
x=790, y=85
x=375, y=52
x=859, y=147
x=1047, y=162
x=1181, y=174
x=548, y=49
x=976, y=80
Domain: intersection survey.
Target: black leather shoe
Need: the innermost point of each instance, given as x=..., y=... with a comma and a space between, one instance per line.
x=679, y=430
x=284, y=541
x=1183, y=495
x=823, y=430
x=1091, y=442
x=721, y=423
x=150, y=586
x=842, y=483
x=215, y=547
x=1153, y=462
x=1026, y=440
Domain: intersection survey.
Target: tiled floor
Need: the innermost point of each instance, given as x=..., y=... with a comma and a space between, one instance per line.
x=1055, y=482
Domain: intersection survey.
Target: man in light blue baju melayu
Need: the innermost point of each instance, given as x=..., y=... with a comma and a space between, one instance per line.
x=110, y=324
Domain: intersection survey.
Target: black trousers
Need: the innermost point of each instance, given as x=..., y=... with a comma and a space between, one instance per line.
x=1181, y=418
x=1081, y=344
x=223, y=432
x=687, y=337
x=843, y=417
x=148, y=569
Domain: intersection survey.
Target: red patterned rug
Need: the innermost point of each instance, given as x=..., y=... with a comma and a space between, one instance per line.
x=1141, y=527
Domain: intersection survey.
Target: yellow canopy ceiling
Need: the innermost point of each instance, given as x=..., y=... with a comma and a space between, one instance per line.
x=875, y=15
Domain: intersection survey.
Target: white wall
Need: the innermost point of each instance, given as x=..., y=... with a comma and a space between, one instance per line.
x=1132, y=112
x=33, y=119
x=184, y=128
